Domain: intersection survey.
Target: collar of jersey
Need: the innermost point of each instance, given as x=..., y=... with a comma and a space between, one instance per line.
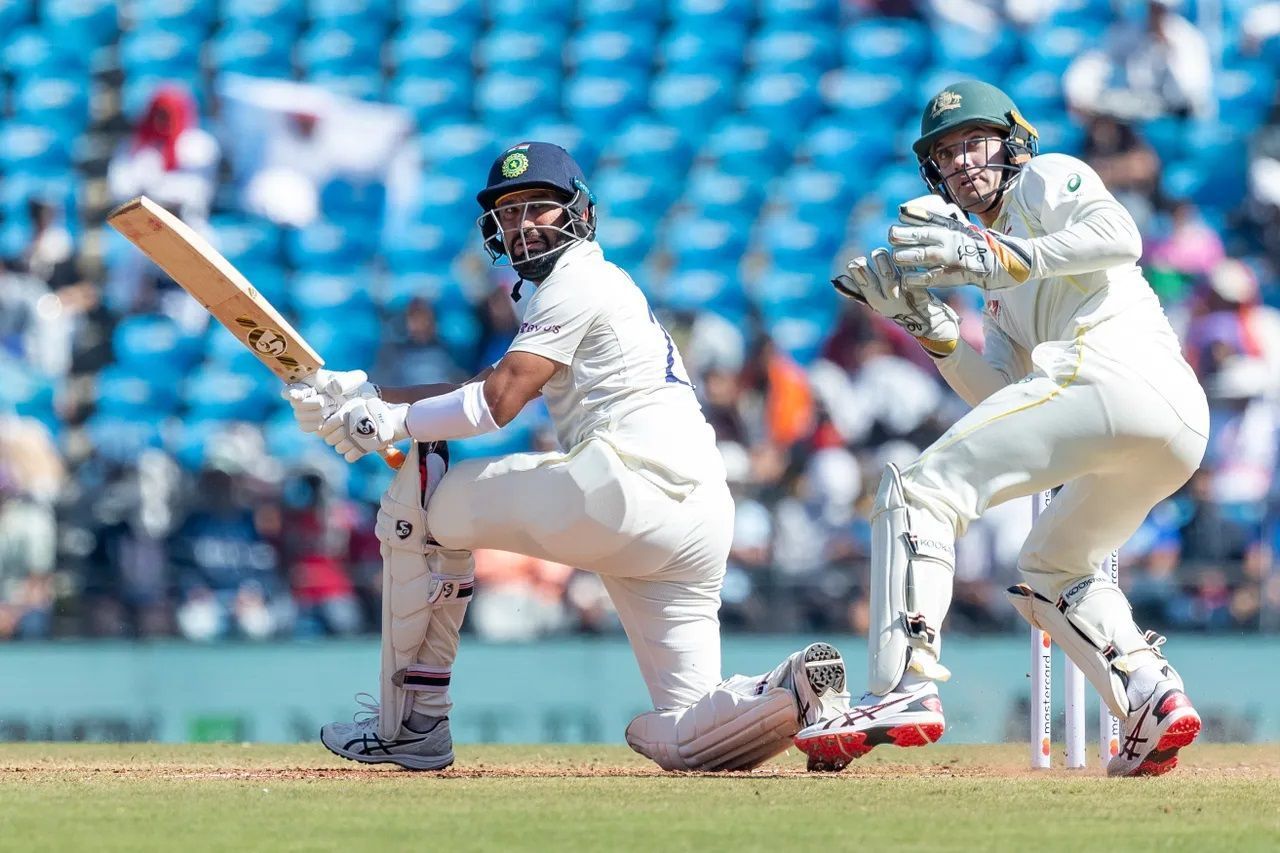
x=575, y=254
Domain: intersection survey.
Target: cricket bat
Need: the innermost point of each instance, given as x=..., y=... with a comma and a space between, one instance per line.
x=203, y=272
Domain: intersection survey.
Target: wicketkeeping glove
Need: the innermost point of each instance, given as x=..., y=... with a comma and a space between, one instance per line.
x=935, y=250
x=877, y=283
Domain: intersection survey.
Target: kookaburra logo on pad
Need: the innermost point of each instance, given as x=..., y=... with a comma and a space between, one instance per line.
x=404, y=529
x=948, y=100
x=365, y=427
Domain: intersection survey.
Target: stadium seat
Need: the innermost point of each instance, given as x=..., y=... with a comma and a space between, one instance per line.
x=710, y=13
x=450, y=14
x=120, y=439
x=423, y=246
x=650, y=145
x=448, y=201
x=961, y=48
x=125, y=393
x=351, y=13
x=139, y=90
x=52, y=101
x=155, y=344
x=15, y=14
x=340, y=295
x=1053, y=47
x=840, y=144
x=532, y=15
x=247, y=239
x=26, y=393
x=32, y=148
x=436, y=287
x=800, y=336
x=433, y=100
x=804, y=13
x=270, y=278
x=818, y=195
x=173, y=15
x=324, y=245
x=253, y=50
x=508, y=103
x=1037, y=92
x=1167, y=136
x=626, y=241
x=794, y=245
x=83, y=22
x=349, y=201
x=787, y=101
x=584, y=148
x=1063, y=137
x=215, y=392
x=699, y=50
x=888, y=97
x=742, y=147
x=340, y=49
x=459, y=331
x=801, y=49
x=887, y=46
x=513, y=50
x=607, y=52
x=151, y=50
x=716, y=194
x=712, y=289
x=699, y=242
x=779, y=291
x=620, y=13
x=430, y=50
x=1244, y=94
x=599, y=104
x=289, y=14
x=459, y=151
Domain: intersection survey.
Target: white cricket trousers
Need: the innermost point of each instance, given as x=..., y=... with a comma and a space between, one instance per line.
x=1114, y=414
x=661, y=559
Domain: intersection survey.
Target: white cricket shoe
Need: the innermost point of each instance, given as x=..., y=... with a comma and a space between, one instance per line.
x=359, y=741
x=815, y=674
x=900, y=718
x=1155, y=731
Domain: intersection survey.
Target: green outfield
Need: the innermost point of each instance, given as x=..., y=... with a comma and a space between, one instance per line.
x=224, y=797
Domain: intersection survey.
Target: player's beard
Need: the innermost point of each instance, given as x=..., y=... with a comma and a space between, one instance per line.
x=544, y=257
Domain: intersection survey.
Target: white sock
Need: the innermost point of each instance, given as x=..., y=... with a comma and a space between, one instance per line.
x=911, y=682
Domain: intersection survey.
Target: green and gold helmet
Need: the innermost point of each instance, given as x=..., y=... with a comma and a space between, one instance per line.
x=972, y=103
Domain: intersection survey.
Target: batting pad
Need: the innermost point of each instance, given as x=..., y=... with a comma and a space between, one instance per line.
x=730, y=728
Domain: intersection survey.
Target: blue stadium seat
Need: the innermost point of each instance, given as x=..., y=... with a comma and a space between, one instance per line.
x=270, y=279
x=1244, y=94
x=650, y=145
x=1053, y=47
x=1167, y=136
x=810, y=13
x=897, y=183
x=30, y=53
x=247, y=239
x=620, y=13
x=324, y=245
x=341, y=49
x=437, y=287
x=214, y=392
x=696, y=50
x=612, y=51
x=252, y=50
x=15, y=13
x=632, y=193
x=788, y=101
x=52, y=100
x=626, y=241
x=120, y=439
x=272, y=13
x=26, y=393
x=711, y=13
x=448, y=201
x=452, y=14
x=839, y=143
x=801, y=335
x=138, y=91
x=57, y=187
x=888, y=97
x=887, y=46
x=342, y=295
x=459, y=330
x=779, y=291
x=32, y=148
x=715, y=289
x=422, y=246
x=175, y=15
x=700, y=242
x=801, y=49
x=431, y=50
x=353, y=203
x=961, y=48
x=1037, y=92
x=154, y=344
x=133, y=394
x=794, y=245
x=533, y=15
x=818, y=195
x=515, y=49
x=740, y=146
x=509, y=103
x=433, y=100
x=152, y=50
x=599, y=104
x=716, y=194
x=1064, y=137
x=86, y=22
x=351, y=13
x=460, y=151
x=584, y=148
x=1214, y=175
x=360, y=85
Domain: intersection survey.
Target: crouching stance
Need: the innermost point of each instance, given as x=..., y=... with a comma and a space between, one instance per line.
x=1082, y=384
x=638, y=496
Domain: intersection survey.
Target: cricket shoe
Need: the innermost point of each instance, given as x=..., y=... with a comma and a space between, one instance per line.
x=900, y=718
x=815, y=674
x=1155, y=731
x=359, y=741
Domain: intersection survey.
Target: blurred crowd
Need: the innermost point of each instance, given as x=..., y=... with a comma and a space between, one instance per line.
x=126, y=511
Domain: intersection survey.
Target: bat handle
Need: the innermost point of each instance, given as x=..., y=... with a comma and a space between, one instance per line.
x=392, y=456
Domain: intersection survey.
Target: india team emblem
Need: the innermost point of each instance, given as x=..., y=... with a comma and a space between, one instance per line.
x=948, y=100
x=515, y=164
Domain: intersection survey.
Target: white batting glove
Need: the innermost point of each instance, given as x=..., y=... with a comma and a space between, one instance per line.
x=877, y=283
x=937, y=250
x=365, y=425
x=324, y=393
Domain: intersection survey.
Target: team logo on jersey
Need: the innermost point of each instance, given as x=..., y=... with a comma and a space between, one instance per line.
x=948, y=100
x=1073, y=183
x=515, y=164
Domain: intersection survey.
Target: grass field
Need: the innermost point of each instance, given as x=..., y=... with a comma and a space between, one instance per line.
x=223, y=797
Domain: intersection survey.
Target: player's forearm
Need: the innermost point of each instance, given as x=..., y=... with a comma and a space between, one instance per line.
x=1105, y=237
x=970, y=375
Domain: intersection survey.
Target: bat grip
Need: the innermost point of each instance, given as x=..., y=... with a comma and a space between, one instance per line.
x=392, y=456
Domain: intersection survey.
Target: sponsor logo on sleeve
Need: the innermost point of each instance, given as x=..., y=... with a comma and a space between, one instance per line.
x=531, y=328
x=1073, y=183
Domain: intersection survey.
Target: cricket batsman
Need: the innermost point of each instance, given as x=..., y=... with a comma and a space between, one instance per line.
x=1082, y=384
x=638, y=496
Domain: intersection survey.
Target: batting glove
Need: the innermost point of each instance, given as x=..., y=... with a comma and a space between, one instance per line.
x=877, y=283
x=936, y=250
x=365, y=425
x=324, y=393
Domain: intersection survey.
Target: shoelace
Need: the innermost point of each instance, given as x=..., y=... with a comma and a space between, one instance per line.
x=367, y=716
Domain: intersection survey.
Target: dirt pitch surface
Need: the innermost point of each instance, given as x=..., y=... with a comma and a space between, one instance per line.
x=223, y=797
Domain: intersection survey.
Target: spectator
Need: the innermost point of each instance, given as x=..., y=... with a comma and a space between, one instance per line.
x=1126, y=163
x=413, y=354
x=34, y=328
x=1143, y=70
x=520, y=598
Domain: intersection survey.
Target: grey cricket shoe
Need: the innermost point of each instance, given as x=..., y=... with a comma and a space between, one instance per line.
x=359, y=741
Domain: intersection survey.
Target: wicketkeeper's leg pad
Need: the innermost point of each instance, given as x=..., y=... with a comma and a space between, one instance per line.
x=425, y=593
x=733, y=727
x=1091, y=621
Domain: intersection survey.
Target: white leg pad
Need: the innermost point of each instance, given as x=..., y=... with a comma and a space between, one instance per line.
x=1091, y=623
x=911, y=580
x=730, y=728
x=425, y=593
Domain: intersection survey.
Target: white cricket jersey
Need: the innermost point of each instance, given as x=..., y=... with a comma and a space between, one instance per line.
x=1084, y=269
x=623, y=380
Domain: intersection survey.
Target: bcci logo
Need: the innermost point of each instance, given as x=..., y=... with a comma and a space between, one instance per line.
x=365, y=427
x=404, y=529
x=948, y=100
x=515, y=164
x=267, y=341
